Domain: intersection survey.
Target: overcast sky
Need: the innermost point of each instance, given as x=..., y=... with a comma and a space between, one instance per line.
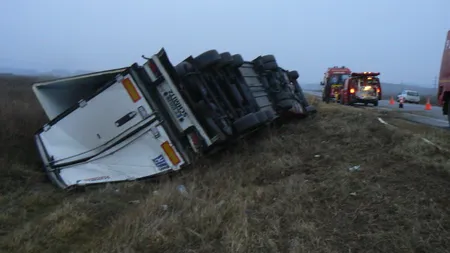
x=402, y=39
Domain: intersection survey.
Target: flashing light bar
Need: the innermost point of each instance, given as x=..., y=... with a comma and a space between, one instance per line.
x=365, y=73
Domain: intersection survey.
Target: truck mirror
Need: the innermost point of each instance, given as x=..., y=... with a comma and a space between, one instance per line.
x=321, y=83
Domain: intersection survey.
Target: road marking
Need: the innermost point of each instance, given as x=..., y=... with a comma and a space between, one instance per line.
x=429, y=142
x=422, y=116
x=382, y=121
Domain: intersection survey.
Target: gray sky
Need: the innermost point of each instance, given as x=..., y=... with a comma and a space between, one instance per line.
x=402, y=39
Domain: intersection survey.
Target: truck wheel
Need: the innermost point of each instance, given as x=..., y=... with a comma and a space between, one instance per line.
x=285, y=105
x=270, y=115
x=262, y=116
x=283, y=96
x=183, y=68
x=270, y=66
x=268, y=58
x=238, y=61
x=293, y=75
x=246, y=122
x=225, y=60
x=207, y=58
x=375, y=104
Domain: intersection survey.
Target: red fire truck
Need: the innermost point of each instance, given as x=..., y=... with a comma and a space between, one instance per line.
x=333, y=82
x=444, y=80
x=361, y=87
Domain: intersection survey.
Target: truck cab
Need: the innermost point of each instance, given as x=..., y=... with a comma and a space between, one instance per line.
x=362, y=87
x=333, y=82
x=443, y=93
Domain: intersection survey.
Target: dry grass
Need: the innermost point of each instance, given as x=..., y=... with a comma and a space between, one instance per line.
x=288, y=191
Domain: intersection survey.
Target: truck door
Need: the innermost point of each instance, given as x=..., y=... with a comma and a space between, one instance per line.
x=113, y=135
x=162, y=73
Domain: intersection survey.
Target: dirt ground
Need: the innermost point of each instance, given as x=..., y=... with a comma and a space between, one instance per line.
x=290, y=189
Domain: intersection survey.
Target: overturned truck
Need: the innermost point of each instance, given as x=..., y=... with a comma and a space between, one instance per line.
x=141, y=121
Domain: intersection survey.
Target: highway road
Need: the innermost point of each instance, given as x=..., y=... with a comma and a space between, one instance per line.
x=412, y=112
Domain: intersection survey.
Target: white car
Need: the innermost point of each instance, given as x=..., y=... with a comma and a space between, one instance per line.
x=409, y=96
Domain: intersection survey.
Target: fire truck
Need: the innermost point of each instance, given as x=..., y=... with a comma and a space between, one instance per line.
x=444, y=80
x=333, y=82
x=361, y=87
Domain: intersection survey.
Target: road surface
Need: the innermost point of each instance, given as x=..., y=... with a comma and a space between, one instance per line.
x=412, y=112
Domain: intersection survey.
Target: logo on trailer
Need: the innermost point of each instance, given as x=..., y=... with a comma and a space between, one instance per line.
x=175, y=105
x=160, y=163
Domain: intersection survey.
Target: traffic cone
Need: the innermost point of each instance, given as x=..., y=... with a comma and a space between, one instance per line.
x=392, y=102
x=428, y=105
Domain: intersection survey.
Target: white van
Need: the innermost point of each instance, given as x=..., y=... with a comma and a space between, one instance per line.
x=409, y=96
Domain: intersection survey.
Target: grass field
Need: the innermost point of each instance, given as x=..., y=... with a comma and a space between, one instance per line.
x=288, y=190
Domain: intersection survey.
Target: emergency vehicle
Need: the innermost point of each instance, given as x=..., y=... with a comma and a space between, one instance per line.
x=333, y=82
x=361, y=87
x=444, y=80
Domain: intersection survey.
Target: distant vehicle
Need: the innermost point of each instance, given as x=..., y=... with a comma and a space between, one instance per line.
x=409, y=96
x=362, y=87
x=444, y=80
x=333, y=82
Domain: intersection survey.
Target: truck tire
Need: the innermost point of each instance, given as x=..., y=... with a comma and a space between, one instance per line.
x=247, y=122
x=225, y=60
x=262, y=116
x=268, y=58
x=285, y=104
x=238, y=61
x=293, y=75
x=301, y=95
x=375, y=103
x=283, y=96
x=270, y=115
x=207, y=58
x=271, y=66
x=183, y=68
